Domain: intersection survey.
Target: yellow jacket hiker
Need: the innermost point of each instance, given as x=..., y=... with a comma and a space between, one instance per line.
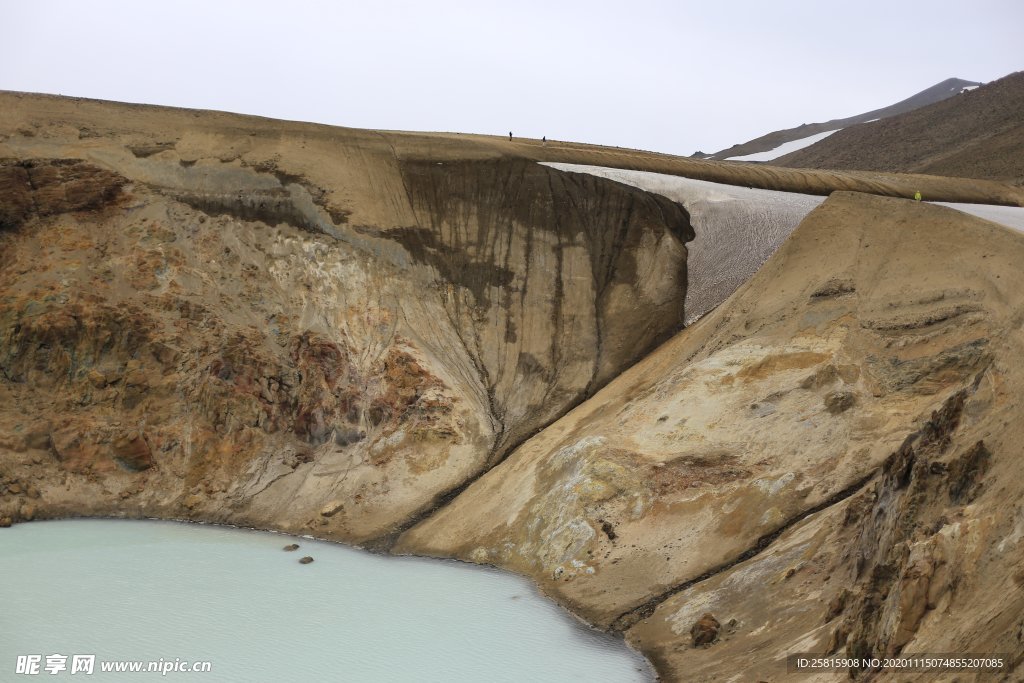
x=917, y=196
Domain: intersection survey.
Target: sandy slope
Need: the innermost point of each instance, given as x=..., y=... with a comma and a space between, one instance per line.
x=800, y=405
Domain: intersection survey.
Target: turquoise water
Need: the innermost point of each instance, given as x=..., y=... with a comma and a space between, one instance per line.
x=149, y=591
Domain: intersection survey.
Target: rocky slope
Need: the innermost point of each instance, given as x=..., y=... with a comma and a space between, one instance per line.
x=434, y=344
x=841, y=431
x=979, y=134
x=936, y=93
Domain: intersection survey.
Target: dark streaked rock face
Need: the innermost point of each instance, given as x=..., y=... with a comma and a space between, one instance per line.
x=530, y=245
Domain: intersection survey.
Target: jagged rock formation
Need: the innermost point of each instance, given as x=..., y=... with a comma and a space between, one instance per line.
x=433, y=344
x=979, y=134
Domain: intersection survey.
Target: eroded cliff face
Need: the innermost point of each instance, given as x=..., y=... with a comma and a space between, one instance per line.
x=925, y=558
x=213, y=334
x=839, y=431
x=587, y=272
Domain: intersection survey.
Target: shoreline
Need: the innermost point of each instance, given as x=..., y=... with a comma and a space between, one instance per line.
x=571, y=617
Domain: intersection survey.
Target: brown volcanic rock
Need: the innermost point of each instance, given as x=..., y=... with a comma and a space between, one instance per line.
x=706, y=630
x=44, y=187
x=15, y=194
x=131, y=450
x=898, y=564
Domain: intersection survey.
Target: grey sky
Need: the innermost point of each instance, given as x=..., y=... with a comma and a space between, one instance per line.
x=666, y=76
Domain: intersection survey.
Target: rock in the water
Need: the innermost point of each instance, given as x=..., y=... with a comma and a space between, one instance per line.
x=706, y=630
x=291, y=547
x=306, y=560
x=5, y=522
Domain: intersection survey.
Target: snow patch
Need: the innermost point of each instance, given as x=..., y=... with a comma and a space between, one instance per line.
x=785, y=148
x=738, y=228
x=1010, y=216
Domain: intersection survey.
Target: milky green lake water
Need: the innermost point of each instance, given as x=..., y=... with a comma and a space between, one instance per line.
x=149, y=591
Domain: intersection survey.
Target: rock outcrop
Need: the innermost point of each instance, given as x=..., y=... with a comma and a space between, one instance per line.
x=32, y=188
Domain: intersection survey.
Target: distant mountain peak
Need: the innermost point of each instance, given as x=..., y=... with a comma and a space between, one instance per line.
x=781, y=142
x=975, y=132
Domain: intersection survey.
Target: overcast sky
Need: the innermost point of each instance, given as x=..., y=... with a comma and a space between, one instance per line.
x=666, y=76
